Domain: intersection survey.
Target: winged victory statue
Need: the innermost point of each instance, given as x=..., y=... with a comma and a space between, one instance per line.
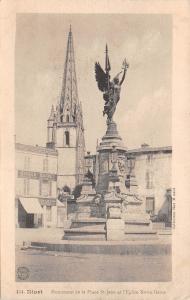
x=111, y=88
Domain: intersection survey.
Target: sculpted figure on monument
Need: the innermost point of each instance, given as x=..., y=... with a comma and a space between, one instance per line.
x=111, y=88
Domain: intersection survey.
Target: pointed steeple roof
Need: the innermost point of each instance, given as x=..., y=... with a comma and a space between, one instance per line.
x=69, y=93
x=52, y=114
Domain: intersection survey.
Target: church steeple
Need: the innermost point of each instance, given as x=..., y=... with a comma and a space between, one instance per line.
x=52, y=114
x=69, y=93
x=65, y=129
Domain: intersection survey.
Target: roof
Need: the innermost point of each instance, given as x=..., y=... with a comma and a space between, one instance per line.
x=148, y=149
x=36, y=149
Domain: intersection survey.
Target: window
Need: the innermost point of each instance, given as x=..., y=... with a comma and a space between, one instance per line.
x=45, y=165
x=26, y=163
x=149, y=180
x=150, y=205
x=67, y=118
x=67, y=139
x=48, y=213
x=44, y=188
x=26, y=186
x=61, y=119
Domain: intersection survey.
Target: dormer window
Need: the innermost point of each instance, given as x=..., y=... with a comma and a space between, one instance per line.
x=67, y=118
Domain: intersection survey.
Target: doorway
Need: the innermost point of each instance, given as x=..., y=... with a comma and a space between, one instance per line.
x=29, y=220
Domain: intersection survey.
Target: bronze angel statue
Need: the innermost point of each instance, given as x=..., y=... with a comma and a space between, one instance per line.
x=110, y=88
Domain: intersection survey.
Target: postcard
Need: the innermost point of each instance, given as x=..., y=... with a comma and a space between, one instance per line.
x=94, y=155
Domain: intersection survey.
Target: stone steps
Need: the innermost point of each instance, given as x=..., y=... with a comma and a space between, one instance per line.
x=165, y=232
x=86, y=229
x=89, y=224
x=91, y=220
x=33, y=248
x=95, y=229
x=85, y=234
x=140, y=231
x=140, y=234
x=138, y=222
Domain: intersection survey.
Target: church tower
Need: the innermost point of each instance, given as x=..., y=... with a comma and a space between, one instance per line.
x=65, y=126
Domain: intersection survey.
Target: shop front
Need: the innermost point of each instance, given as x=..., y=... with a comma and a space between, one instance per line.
x=29, y=213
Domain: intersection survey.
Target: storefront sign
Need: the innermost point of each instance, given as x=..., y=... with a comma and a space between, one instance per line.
x=48, y=202
x=36, y=175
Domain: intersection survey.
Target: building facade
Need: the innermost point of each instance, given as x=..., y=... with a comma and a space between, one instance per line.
x=153, y=171
x=36, y=186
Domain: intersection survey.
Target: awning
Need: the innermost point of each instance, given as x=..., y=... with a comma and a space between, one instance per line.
x=31, y=205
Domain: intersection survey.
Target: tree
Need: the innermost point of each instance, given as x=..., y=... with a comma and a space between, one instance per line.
x=66, y=189
x=77, y=191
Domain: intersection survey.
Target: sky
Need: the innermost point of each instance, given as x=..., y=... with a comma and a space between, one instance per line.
x=143, y=114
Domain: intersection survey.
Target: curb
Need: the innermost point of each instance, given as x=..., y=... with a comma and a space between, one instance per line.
x=110, y=249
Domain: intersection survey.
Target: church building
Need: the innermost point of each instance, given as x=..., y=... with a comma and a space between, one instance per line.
x=65, y=127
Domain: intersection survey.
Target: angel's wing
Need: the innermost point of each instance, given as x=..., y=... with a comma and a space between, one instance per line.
x=101, y=78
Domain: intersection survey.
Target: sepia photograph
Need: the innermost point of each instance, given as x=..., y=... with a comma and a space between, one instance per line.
x=93, y=148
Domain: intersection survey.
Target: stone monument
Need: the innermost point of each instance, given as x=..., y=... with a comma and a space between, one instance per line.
x=113, y=210
x=125, y=212
x=111, y=95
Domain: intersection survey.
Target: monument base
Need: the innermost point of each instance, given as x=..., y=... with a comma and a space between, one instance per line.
x=138, y=225
x=91, y=229
x=112, y=212
x=115, y=230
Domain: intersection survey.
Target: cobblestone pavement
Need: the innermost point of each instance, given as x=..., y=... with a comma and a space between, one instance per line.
x=72, y=267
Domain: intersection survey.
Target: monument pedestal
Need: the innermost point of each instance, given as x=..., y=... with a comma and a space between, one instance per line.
x=115, y=225
x=115, y=230
x=138, y=225
x=110, y=141
x=89, y=204
x=89, y=222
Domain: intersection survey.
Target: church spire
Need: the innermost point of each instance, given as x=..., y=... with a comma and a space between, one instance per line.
x=66, y=131
x=69, y=94
x=52, y=114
